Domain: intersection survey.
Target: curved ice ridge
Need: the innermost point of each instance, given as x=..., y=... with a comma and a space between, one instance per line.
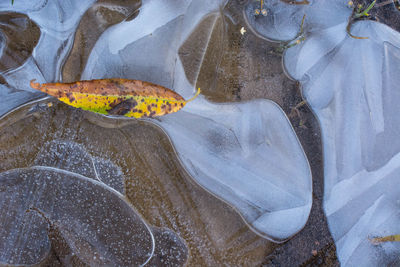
x=247, y=153
x=58, y=21
x=352, y=86
x=73, y=157
x=98, y=236
x=268, y=179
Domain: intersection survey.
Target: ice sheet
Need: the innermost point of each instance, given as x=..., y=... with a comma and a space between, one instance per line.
x=39, y=200
x=57, y=22
x=352, y=86
x=246, y=154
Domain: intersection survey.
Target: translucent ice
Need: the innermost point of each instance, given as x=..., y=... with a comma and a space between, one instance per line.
x=94, y=221
x=246, y=154
x=154, y=181
x=98, y=17
x=73, y=157
x=283, y=21
x=266, y=177
x=352, y=86
x=19, y=37
x=57, y=21
x=359, y=118
x=65, y=27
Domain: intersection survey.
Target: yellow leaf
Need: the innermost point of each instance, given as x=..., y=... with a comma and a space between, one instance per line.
x=130, y=98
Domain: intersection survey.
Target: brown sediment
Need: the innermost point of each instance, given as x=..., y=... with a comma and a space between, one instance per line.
x=20, y=35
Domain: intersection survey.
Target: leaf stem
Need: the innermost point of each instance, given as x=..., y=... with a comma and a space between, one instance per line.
x=197, y=93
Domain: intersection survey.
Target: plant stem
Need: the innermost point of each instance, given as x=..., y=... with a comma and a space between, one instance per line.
x=365, y=12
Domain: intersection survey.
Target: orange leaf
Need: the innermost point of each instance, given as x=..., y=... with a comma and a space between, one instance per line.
x=131, y=98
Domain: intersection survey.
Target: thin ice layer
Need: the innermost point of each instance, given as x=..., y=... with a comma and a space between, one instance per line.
x=57, y=21
x=246, y=154
x=352, y=85
x=283, y=21
x=155, y=183
x=73, y=157
x=109, y=232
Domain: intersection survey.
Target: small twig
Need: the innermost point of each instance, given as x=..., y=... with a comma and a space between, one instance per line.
x=348, y=30
x=262, y=10
x=296, y=40
x=302, y=24
x=356, y=15
x=293, y=2
x=41, y=213
x=300, y=104
x=296, y=112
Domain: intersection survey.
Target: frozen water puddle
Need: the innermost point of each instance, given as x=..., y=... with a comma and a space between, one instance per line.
x=246, y=154
x=283, y=20
x=94, y=221
x=138, y=157
x=76, y=218
x=49, y=212
x=73, y=157
x=62, y=26
x=82, y=218
x=352, y=86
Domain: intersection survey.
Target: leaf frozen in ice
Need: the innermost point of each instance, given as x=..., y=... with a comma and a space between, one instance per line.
x=119, y=97
x=246, y=154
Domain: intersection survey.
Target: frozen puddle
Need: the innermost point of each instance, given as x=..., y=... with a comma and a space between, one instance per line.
x=246, y=154
x=352, y=86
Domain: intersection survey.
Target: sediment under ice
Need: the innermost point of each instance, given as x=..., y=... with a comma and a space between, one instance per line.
x=92, y=219
x=246, y=154
x=352, y=86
